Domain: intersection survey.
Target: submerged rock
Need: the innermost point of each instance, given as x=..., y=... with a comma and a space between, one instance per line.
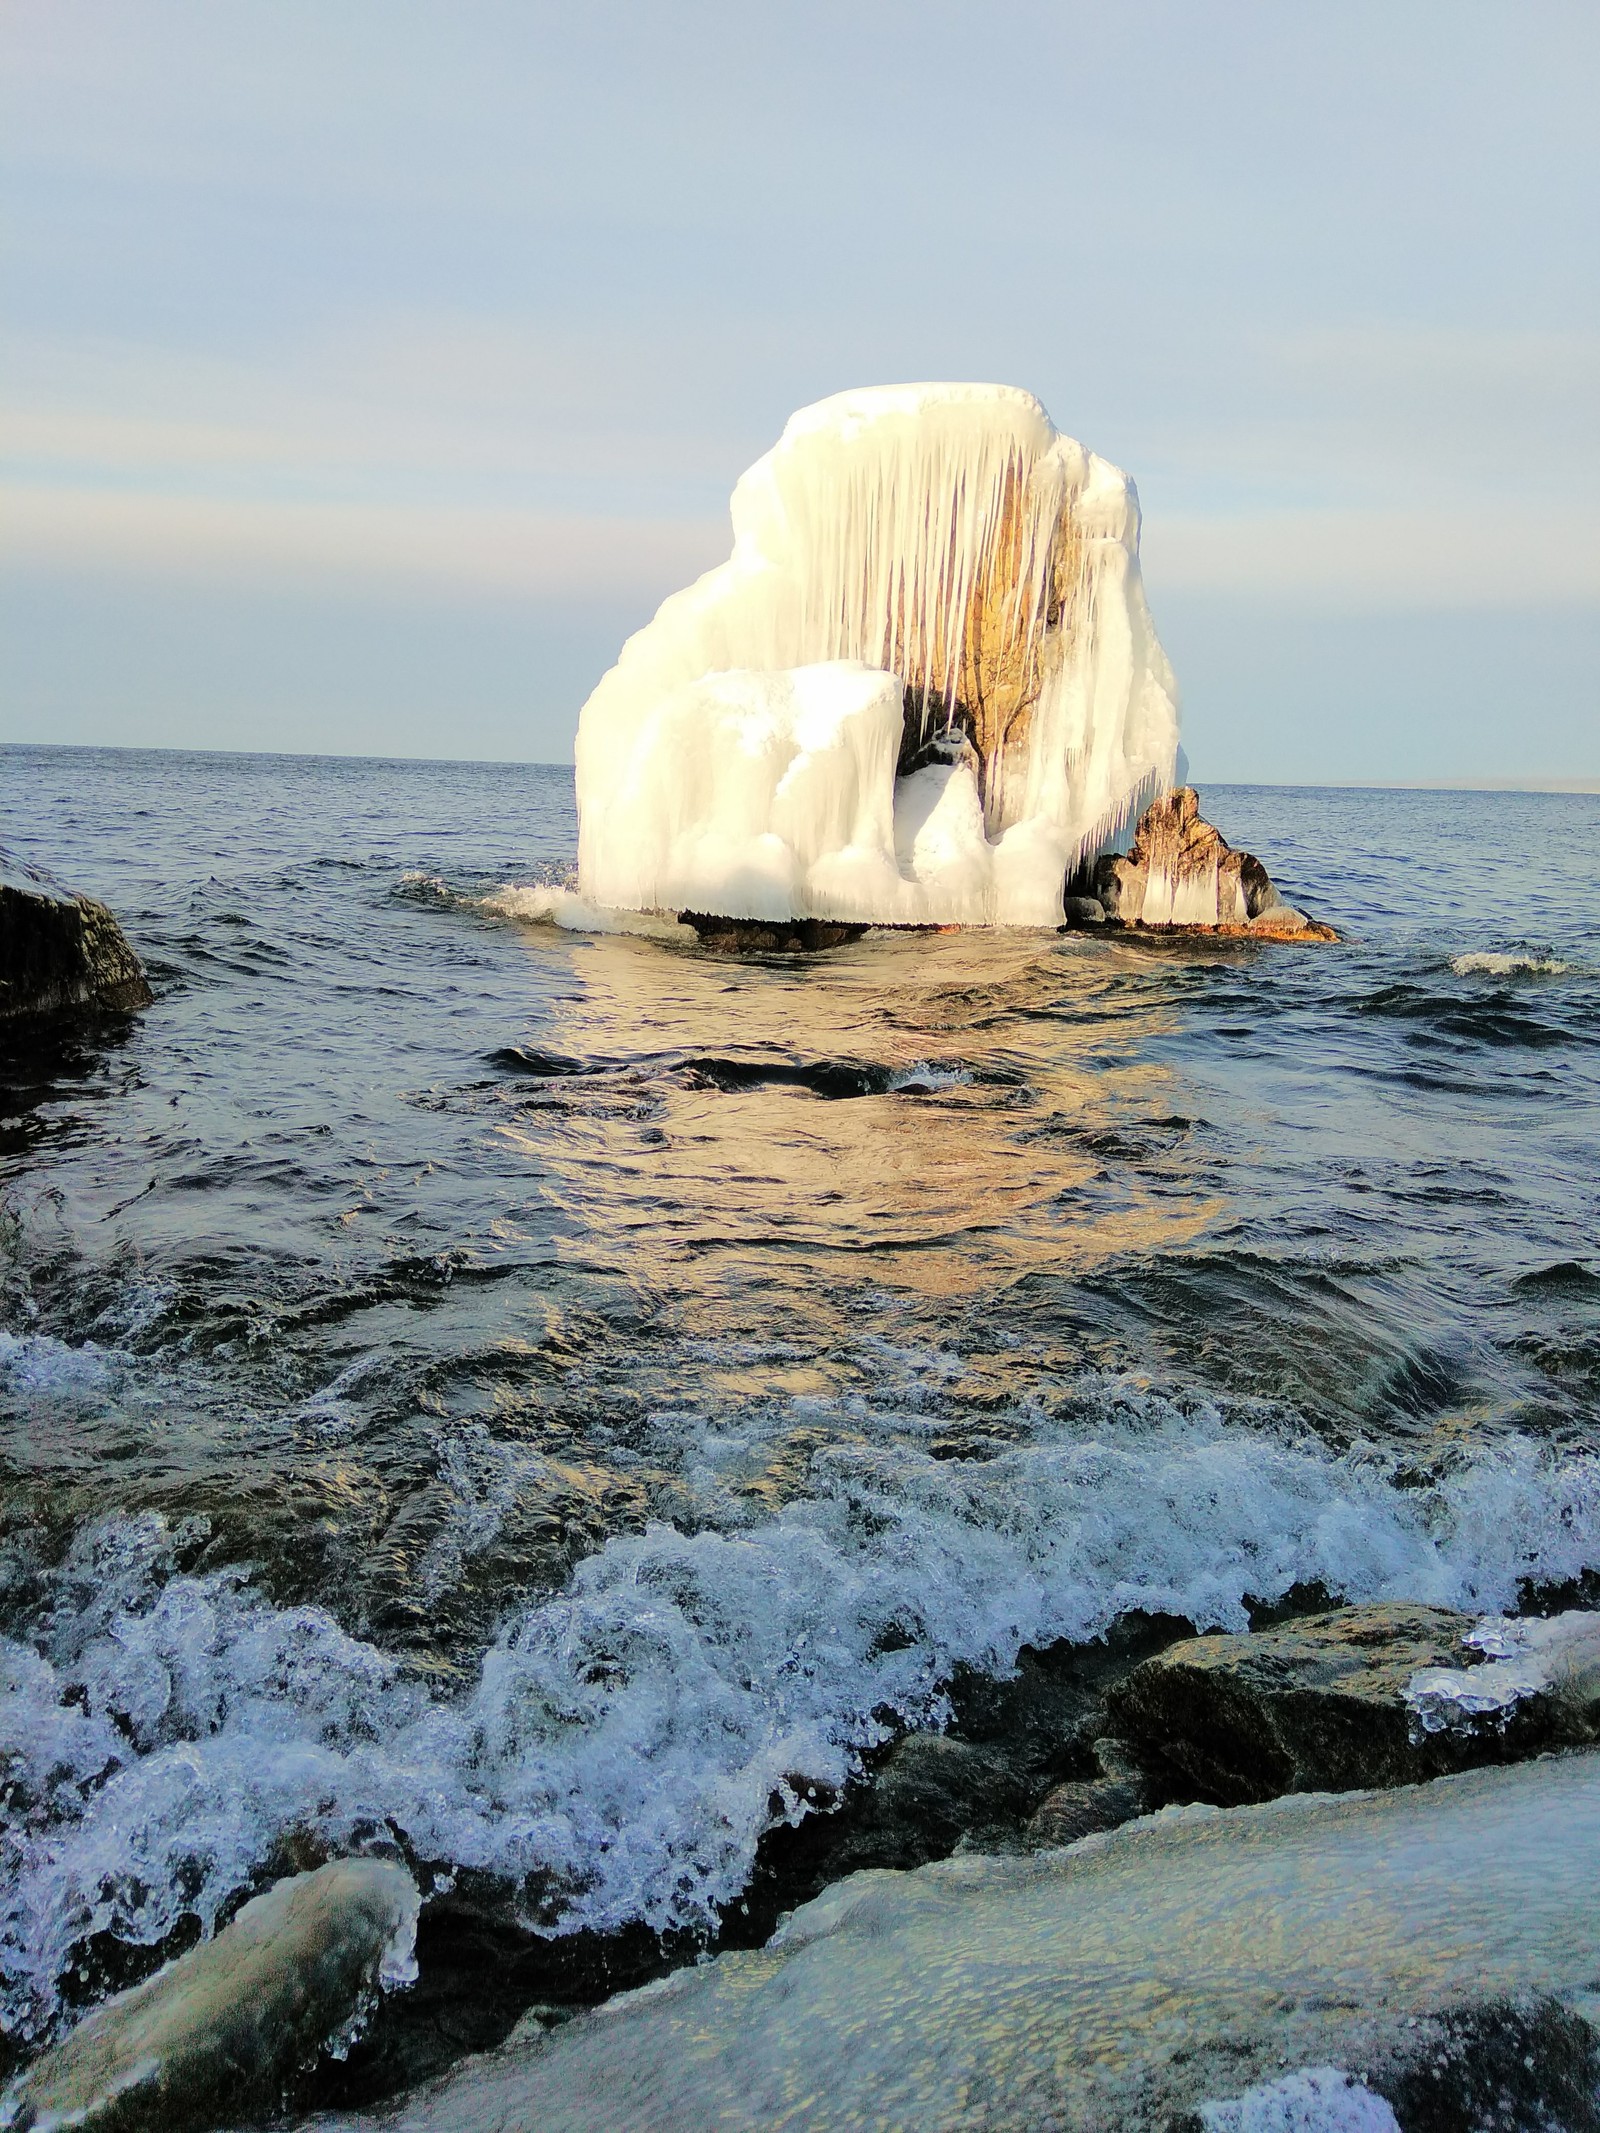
x=1182, y=874
x=1332, y=1701
x=216, y=2034
x=60, y=951
x=1435, y=1943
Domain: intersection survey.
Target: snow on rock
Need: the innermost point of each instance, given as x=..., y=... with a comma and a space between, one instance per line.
x=922, y=689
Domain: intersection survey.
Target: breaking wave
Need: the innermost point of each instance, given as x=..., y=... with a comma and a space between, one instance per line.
x=1487, y=963
x=627, y=1743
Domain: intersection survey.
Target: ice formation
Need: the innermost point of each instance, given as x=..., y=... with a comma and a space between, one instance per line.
x=1555, y=1655
x=922, y=689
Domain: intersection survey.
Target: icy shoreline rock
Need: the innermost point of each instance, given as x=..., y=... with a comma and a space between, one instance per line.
x=925, y=682
x=1348, y=1698
x=1435, y=1942
x=215, y=2034
x=60, y=951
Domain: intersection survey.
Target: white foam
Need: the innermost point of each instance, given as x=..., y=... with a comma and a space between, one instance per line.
x=628, y=1741
x=35, y=1363
x=1316, y=2099
x=541, y=904
x=1484, y=963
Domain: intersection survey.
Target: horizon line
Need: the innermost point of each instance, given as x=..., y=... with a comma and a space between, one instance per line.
x=1526, y=784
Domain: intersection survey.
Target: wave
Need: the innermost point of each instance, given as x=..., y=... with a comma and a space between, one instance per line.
x=1513, y=963
x=627, y=1743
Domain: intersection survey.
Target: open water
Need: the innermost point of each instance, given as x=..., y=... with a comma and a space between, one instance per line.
x=543, y=1399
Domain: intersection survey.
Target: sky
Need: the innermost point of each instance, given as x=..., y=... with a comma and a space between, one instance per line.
x=368, y=371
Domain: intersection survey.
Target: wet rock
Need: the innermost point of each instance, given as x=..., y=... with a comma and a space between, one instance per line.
x=1080, y=1807
x=1319, y=1704
x=1280, y=919
x=59, y=951
x=218, y=2033
x=787, y=936
x=1434, y=1943
x=1119, y=885
x=1085, y=911
x=1182, y=874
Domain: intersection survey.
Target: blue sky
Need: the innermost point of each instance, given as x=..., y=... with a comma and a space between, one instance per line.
x=370, y=369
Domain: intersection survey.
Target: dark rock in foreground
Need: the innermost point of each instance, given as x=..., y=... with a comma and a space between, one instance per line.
x=59, y=951
x=216, y=2034
x=1433, y=1945
x=1338, y=1700
x=1182, y=875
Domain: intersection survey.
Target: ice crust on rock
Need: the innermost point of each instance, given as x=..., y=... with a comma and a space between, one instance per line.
x=1316, y=2099
x=216, y=2032
x=937, y=553
x=1531, y=1656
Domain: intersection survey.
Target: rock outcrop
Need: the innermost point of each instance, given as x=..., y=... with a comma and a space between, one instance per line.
x=1182, y=874
x=1375, y=1695
x=214, y=2036
x=59, y=951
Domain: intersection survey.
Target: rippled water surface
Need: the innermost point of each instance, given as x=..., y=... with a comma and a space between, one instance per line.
x=533, y=1395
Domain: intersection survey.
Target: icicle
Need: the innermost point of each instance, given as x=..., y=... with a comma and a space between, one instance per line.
x=942, y=535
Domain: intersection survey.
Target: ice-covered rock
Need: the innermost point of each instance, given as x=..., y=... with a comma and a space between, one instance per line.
x=214, y=2035
x=924, y=685
x=1435, y=1943
x=1535, y=1669
x=59, y=950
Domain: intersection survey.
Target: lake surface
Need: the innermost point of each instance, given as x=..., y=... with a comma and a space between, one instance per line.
x=539, y=1399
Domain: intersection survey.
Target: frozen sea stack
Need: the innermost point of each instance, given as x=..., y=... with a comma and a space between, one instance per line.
x=922, y=690
x=59, y=951
x=214, y=2036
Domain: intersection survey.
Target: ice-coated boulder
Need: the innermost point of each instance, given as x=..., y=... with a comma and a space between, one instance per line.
x=1181, y=872
x=1437, y=1944
x=59, y=950
x=922, y=687
x=213, y=2036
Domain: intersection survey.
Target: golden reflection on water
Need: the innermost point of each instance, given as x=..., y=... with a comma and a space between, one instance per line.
x=943, y=1189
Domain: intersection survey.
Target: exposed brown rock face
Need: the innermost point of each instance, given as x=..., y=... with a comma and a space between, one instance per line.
x=1182, y=873
x=59, y=951
x=1004, y=646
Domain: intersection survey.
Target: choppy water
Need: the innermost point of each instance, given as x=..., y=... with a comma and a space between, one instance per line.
x=538, y=1396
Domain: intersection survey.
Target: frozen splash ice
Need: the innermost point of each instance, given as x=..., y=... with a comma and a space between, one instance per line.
x=1315, y=2099
x=627, y=1742
x=1535, y=1656
x=931, y=552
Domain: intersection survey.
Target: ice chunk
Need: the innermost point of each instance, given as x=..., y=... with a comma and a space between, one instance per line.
x=1558, y=1654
